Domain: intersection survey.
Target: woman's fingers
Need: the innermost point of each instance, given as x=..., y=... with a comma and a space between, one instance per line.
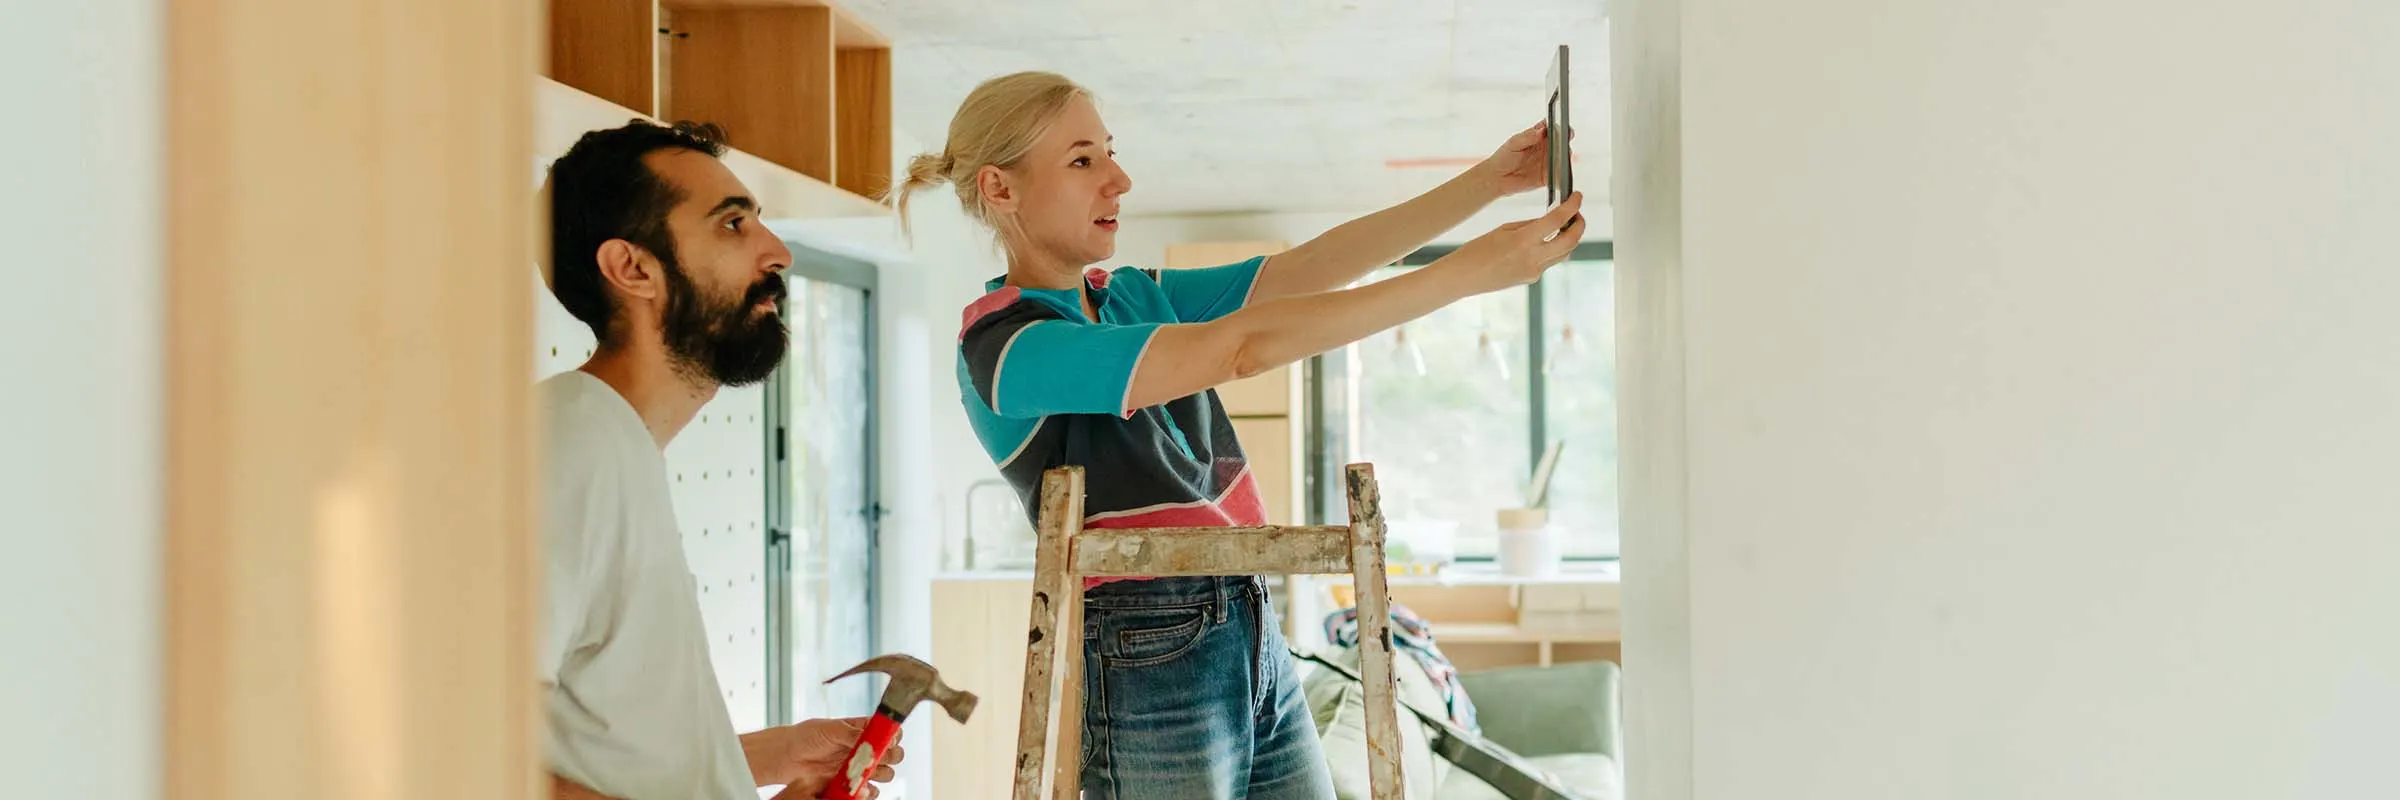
x=1563, y=246
x=1560, y=214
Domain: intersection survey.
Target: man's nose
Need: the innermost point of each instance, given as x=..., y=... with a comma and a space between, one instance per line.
x=779, y=258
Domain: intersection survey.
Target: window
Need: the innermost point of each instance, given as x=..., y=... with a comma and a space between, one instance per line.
x=1454, y=409
x=822, y=509
x=1579, y=402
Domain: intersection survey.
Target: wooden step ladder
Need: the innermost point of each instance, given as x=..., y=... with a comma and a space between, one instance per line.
x=1050, y=726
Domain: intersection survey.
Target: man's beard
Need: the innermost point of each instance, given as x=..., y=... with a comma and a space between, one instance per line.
x=726, y=342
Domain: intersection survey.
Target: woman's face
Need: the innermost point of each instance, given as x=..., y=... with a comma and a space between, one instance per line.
x=1064, y=192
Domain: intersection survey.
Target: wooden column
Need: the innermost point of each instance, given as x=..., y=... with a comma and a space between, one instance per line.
x=350, y=571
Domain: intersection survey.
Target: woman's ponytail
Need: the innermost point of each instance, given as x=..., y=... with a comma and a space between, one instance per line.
x=925, y=170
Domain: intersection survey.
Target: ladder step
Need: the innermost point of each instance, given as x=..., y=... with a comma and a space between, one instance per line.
x=1178, y=552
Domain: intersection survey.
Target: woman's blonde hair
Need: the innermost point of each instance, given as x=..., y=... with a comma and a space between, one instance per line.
x=996, y=125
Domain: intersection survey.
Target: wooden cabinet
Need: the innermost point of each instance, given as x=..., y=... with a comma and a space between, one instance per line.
x=607, y=48
x=1274, y=393
x=802, y=84
x=979, y=644
x=1273, y=446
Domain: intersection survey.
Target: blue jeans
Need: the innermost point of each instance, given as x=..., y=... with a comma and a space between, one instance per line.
x=1189, y=692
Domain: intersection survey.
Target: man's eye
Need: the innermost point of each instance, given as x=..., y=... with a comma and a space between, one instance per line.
x=734, y=224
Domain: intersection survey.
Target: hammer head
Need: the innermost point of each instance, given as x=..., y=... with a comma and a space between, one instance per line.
x=913, y=682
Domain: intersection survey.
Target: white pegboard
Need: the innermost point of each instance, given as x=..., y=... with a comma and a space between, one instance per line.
x=560, y=341
x=718, y=466
x=716, y=471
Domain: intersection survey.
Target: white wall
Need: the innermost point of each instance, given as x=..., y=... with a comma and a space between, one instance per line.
x=81, y=480
x=1646, y=120
x=2040, y=407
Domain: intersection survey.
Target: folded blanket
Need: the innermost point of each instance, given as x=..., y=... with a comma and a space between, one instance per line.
x=1415, y=637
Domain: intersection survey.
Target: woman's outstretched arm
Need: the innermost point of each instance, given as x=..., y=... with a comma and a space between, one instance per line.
x=1341, y=256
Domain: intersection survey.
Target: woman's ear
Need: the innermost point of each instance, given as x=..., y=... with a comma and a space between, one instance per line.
x=992, y=184
x=628, y=268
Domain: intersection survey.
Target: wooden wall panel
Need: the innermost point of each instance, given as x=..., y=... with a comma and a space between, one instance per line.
x=350, y=549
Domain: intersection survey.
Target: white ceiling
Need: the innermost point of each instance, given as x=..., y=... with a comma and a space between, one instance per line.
x=1268, y=105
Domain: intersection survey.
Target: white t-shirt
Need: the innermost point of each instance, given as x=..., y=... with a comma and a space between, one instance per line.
x=633, y=705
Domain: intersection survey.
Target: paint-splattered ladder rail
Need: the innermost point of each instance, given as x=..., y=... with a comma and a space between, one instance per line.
x=1049, y=763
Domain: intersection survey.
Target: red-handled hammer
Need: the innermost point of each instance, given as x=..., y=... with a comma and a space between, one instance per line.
x=913, y=682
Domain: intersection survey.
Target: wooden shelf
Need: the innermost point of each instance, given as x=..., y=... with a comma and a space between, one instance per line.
x=564, y=113
x=1489, y=633
x=801, y=83
x=1579, y=576
x=1475, y=615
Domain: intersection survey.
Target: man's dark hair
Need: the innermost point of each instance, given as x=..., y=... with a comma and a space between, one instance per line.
x=601, y=190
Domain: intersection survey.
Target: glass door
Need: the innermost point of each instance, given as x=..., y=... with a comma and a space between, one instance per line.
x=823, y=548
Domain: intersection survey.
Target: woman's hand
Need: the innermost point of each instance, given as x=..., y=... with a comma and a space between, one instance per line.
x=1522, y=164
x=1517, y=253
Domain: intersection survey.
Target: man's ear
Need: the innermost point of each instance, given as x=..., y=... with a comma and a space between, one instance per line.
x=631, y=269
x=992, y=183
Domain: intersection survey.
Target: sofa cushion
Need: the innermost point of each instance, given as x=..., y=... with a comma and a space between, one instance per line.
x=1545, y=709
x=1554, y=710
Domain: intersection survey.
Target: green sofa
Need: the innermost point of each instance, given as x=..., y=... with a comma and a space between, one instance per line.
x=1564, y=718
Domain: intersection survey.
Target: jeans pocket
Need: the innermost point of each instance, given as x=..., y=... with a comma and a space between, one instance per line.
x=1148, y=636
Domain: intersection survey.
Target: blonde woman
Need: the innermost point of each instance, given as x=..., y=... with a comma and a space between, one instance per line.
x=1189, y=691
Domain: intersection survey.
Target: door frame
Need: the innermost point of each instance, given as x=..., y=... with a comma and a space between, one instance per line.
x=816, y=265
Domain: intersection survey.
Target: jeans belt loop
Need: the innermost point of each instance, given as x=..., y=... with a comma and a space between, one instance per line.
x=1224, y=597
